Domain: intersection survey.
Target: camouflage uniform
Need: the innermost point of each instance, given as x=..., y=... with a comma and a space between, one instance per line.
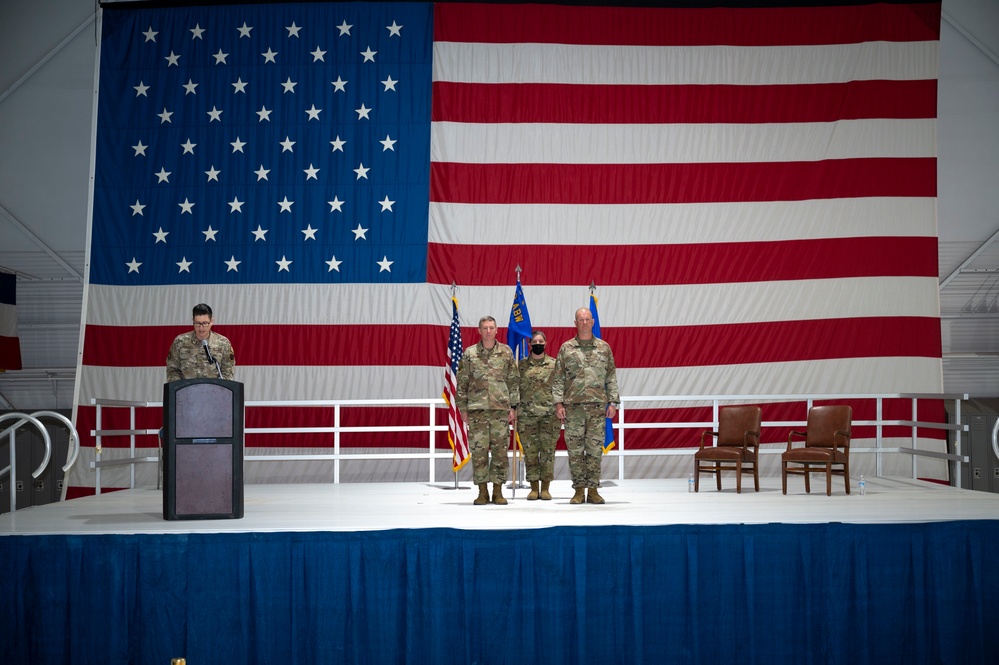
x=585, y=382
x=187, y=359
x=536, y=422
x=488, y=387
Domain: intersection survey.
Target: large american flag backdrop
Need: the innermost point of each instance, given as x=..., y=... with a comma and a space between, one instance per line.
x=752, y=190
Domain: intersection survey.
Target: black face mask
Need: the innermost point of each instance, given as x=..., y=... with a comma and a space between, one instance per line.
x=537, y=349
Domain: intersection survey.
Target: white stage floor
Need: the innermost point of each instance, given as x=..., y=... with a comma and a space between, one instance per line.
x=381, y=506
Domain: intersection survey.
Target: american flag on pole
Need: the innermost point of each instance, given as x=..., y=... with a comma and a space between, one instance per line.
x=754, y=188
x=457, y=431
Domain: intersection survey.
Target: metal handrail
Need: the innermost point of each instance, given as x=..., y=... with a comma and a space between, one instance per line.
x=24, y=419
x=74, y=437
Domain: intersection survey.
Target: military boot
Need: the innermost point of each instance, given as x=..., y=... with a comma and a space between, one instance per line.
x=533, y=496
x=498, y=494
x=579, y=496
x=593, y=497
x=545, y=496
x=483, y=497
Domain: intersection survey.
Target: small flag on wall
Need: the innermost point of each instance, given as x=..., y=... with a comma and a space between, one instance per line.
x=10, y=346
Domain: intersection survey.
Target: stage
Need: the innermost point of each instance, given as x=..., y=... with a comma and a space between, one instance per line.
x=414, y=573
x=384, y=506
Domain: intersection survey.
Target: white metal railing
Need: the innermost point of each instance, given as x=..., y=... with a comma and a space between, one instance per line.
x=431, y=454
x=34, y=419
x=879, y=449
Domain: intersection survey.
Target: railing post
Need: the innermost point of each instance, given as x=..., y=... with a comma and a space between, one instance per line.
x=915, y=438
x=878, y=456
x=336, y=444
x=430, y=437
x=131, y=447
x=620, y=442
x=957, y=444
x=97, y=449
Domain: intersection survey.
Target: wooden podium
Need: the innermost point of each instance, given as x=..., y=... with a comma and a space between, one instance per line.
x=202, y=449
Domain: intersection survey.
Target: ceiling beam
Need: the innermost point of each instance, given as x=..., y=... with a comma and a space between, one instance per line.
x=41, y=244
x=957, y=271
x=48, y=56
x=971, y=38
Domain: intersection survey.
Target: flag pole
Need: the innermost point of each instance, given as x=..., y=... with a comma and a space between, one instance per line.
x=513, y=432
x=454, y=293
x=609, y=438
x=522, y=351
x=515, y=478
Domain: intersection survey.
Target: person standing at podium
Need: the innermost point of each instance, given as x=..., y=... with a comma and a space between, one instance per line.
x=201, y=353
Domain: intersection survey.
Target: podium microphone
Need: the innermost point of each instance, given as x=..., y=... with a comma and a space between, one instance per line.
x=212, y=360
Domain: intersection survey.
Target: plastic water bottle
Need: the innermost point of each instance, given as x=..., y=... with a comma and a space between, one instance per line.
x=862, y=486
x=690, y=484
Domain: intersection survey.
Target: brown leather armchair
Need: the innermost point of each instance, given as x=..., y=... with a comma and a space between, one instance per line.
x=737, y=448
x=827, y=446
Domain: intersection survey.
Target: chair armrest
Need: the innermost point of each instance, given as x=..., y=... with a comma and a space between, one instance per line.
x=705, y=433
x=845, y=435
x=791, y=434
x=750, y=439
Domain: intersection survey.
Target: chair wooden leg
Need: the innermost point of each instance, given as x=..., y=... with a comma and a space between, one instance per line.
x=756, y=475
x=846, y=474
x=783, y=477
x=697, y=475
x=828, y=478
x=718, y=470
x=738, y=478
x=808, y=478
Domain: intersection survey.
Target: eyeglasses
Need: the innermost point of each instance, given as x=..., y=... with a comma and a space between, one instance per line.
x=202, y=324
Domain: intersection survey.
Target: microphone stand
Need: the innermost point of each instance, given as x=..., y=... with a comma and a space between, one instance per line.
x=212, y=359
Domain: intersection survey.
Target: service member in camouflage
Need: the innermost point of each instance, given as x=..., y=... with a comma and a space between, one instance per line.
x=584, y=390
x=487, y=394
x=187, y=359
x=537, y=425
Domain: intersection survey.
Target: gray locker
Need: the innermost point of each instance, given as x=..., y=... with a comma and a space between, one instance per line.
x=982, y=473
x=5, y=480
x=46, y=488
x=23, y=472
